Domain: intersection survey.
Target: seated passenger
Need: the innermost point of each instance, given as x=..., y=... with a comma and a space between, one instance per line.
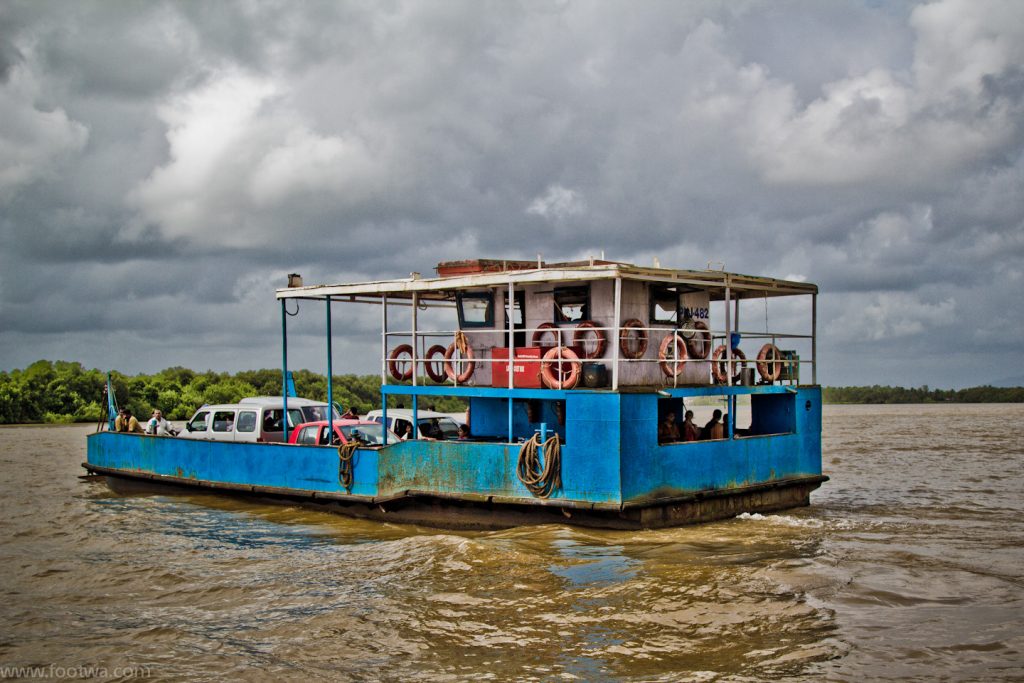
x=668, y=430
x=159, y=426
x=713, y=429
x=463, y=433
x=690, y=431
x=126, y=422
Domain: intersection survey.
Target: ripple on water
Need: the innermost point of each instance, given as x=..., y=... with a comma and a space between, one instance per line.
x=906, y=565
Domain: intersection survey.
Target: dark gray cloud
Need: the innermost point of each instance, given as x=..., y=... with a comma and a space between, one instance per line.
x=164, y=165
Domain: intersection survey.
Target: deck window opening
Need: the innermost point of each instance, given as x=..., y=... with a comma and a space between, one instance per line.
x=765, y=415
x=670, y=420
x=572, y=304
x=246, y=421
x=476, y=309
x=666, y=306
x=198, y=423
x=707, y=426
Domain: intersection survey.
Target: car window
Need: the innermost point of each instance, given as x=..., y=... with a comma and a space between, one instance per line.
x=224, y=421
x=307, y=435
x=439, y=428
x=198, y=423
x=246, y=421
x=369, y=435
x=272, y=419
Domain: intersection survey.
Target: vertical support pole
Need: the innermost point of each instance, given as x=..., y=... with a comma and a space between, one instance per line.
x=728, y=334
x=615, y=333
x=732, y=417
x=415, y=417
x=814, y=339
x=415, y=308
x=384, y=339
x=384, y=368
x=330, y=373
x=510, y=303
x=284, y=370
x=736, y=314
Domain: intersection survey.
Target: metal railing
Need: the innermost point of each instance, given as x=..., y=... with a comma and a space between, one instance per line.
x=422, y=341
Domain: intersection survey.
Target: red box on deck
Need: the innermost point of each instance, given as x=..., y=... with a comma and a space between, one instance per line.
x=525, y=367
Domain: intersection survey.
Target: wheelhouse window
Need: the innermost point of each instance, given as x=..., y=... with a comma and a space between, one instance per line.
x=518, y=319
x=476, y=309
x=572, y=304
x=665, y=305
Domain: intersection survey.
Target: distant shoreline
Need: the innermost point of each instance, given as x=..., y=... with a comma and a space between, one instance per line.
x=62, y=392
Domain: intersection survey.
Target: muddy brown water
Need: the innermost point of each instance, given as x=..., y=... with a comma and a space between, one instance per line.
x=907, y=566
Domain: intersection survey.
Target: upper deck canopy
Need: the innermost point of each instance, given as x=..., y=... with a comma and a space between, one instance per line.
x=459, y=275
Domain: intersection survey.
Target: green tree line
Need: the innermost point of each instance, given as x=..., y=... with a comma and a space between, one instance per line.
x=880, y=394
x=64, y=391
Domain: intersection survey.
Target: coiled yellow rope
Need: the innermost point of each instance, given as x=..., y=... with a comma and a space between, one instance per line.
x=541, y=481
x=345, y=453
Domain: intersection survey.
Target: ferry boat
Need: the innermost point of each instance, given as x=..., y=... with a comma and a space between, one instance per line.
x=579, y=379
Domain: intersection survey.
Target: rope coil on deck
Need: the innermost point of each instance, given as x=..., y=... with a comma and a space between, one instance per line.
x=541, y=481
x=345, y=453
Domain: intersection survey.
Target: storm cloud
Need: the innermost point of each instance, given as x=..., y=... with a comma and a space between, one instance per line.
x=164, y=165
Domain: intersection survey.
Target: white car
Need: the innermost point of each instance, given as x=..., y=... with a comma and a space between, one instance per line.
x=431, y=425
x=255, y=419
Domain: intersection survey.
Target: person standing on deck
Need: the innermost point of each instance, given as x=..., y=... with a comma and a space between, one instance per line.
x=690, y=431
x=668, y=430
x=713, y=429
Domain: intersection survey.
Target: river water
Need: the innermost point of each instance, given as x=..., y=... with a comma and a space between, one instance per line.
x=907, y=566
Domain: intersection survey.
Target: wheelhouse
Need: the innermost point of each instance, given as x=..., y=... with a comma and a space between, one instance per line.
x=595, y=327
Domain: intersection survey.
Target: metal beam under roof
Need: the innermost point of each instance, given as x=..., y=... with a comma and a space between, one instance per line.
x=440, y=288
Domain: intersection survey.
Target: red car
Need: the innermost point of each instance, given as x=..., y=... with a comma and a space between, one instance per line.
x=365, y=432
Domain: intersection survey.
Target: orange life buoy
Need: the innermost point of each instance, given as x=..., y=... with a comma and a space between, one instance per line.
x=699, y=345
x=395, y=364
x=466, y=361
x=624, y=339
x=543, y=329
x=673, y=365
x=718, y=363
x=435, y=369
x=553, y=372
x=579, y=336
x=769, y=368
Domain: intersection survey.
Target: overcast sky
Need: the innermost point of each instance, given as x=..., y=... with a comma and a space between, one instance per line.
x=164, y=165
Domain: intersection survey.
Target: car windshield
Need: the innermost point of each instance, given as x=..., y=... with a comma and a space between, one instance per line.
x=439, y=428
x=317, y=413
x=367, y=434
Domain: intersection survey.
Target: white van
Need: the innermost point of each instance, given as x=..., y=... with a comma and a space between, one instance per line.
x=255, y=419
x=431, y=425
